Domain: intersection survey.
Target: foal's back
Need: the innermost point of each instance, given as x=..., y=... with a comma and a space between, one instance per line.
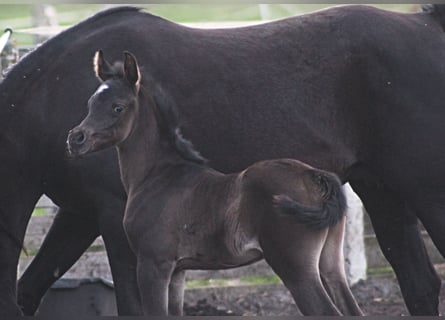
x=274, y=177
x=223, y=215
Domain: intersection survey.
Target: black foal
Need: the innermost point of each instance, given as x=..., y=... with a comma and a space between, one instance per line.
x=181, y=214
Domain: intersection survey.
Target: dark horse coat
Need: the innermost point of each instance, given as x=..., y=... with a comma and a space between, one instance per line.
x=353, y=90
x=182, y=214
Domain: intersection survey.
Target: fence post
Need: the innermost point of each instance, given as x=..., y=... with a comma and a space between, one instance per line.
x=354, y=245
x=43, y=15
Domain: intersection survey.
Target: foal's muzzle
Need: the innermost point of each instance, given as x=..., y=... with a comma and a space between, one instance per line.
x=77, y=138
x=76, y=141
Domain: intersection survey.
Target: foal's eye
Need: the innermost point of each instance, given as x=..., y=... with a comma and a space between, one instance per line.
x=118, y=109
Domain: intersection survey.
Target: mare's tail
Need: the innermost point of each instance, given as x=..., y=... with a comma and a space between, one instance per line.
x=332, y=209
x=437, y=11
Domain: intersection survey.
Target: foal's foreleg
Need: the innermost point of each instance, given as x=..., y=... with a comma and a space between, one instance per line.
x=333, y=272
x=176, y=293
x=153, y=279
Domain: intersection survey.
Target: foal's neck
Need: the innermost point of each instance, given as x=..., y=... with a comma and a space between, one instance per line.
x=144, y=150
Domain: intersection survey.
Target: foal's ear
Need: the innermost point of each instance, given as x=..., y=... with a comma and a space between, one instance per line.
x=101, y=66
x=131, y=70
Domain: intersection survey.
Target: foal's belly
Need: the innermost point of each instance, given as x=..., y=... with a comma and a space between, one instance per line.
x=201, y=246
x=212, y=252
x=215, y=263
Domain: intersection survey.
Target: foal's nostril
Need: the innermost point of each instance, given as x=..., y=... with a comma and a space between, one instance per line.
x=77, y=138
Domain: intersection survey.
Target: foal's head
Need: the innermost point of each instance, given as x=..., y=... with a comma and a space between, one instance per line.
x=111, y=109
x=115, y=108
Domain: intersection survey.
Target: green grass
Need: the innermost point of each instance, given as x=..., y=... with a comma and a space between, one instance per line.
x=248, y=280
x=26, y=252
x=39, y=212
x=259, y=280
x=191, y=284
x=382, y=271
x=15, y=11
x=204, y=12
x=71, y=13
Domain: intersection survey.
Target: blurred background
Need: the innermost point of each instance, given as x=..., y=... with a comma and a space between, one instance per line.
x=21, y=17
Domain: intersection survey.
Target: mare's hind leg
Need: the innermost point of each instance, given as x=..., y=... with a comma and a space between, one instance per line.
x=430, y=208
x=397, y=231
x=333, y=272
x=293, y=254
x=176, y=293
x=69, y=236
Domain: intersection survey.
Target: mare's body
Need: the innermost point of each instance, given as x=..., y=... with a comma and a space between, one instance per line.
x=181, y=214
x=353, y=90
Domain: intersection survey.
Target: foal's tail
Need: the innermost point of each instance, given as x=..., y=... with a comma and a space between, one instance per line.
x=329, y=214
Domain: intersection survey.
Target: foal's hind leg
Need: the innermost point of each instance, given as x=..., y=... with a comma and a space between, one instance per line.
x=333, y=273
x=176, y=293
x=294, y=255
x=68, y=238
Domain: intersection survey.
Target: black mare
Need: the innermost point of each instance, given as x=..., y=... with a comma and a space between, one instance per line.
x=353, y=90
x=182, y=214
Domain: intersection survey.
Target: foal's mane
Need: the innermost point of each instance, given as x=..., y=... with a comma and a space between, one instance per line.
x=167, y=117
x=166, y=114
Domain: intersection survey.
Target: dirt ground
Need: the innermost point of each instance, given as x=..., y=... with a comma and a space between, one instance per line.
x=379, y=295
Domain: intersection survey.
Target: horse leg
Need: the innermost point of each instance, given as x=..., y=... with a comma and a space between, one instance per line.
x=333, y=272
x=10, y=251
x=432, y=216
x=122, y=262
x=294, y=256
x=176, y=293
x=69, y=236
x=15, y=211
x=154, y=278
x=397, y=231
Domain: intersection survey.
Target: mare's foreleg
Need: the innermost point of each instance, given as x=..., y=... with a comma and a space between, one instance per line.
x=333, y=272
x=122, y=259
x=293, y=254
x=176, y=293
x=15, y=211
x=69, y=236
x=398, y=234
